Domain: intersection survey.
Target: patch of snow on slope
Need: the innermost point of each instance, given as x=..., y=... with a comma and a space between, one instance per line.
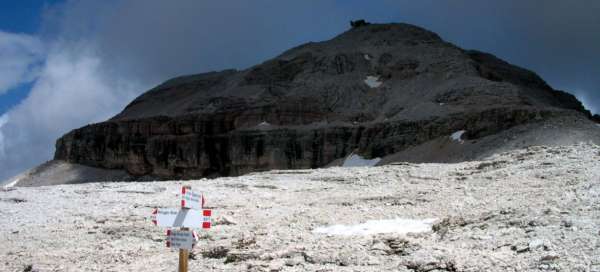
x=373, y=81
x=367, y=57
x=264, y=123
x=457, y=136
x=357, y=160
x=12, y=183
x=399, y=225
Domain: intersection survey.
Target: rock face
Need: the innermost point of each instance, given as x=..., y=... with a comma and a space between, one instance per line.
x=375, y=90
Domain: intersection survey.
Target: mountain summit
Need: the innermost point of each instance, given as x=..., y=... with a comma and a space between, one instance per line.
x=395, y=92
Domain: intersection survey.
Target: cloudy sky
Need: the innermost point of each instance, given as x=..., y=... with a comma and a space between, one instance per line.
x=64, y=64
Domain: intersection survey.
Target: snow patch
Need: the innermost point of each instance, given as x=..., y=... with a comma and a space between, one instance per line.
x=355, y=160
x=457, y=136
x=264, y=124
x=399, y=225
x=373, y=81
x=367, y=57
x=12, y=183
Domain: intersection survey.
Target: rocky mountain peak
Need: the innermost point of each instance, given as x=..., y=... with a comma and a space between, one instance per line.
x=388, y=34
x=376, y=90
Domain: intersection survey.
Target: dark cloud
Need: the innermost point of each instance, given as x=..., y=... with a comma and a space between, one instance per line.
x=156, y=40
x=559, y=40
x=101, y=54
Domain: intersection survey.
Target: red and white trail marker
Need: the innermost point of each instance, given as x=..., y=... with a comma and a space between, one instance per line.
x=181, y=239
x=191, y=199
x=184, y=218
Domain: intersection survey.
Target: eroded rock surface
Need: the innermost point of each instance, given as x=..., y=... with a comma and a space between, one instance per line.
x=534, y=209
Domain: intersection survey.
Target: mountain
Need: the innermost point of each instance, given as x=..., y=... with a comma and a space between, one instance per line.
x=394, y=92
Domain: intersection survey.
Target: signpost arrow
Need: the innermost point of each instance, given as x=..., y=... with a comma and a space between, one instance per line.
x=191, y=199
x=182, y=218
x=181, y=239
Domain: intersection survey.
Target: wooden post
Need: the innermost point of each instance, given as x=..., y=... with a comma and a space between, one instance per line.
x=184, y=253
x=183, y=260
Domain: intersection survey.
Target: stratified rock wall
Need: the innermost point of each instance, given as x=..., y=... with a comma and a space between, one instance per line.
x=191, y=147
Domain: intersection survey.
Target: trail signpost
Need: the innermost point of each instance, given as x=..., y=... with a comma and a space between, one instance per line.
x=182, y=218
x=190, y=215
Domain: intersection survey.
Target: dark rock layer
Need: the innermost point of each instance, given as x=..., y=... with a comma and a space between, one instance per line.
x=314, y=104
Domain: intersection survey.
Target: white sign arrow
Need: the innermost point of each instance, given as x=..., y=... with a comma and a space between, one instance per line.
x=181, y=239
x=191, y=199
x=186, y=218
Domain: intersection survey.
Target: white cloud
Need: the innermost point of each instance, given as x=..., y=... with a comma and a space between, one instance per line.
x=21, y=56
x=70, y=91
x=3, y=121
x=587, y=103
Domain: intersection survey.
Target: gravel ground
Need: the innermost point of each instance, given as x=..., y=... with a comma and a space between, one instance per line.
x=535, y=209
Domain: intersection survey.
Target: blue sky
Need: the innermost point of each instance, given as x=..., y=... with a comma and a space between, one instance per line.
x=65, y=64
x=13, y=96
x=23, y=16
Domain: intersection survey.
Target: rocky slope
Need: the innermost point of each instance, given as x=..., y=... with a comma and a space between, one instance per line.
x=376, y=90
x=534, y=209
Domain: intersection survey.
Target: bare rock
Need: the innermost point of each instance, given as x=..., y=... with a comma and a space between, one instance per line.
x=443, y=226
x=225, y=220
x=430, y=263
x=29, y=268
x=566, y=223
x=520, y=248
x=295, y=260
x=217, y=252
x=400, y=246
x=240, y=256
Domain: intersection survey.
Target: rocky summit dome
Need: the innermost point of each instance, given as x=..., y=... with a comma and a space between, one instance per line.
x=396, y=92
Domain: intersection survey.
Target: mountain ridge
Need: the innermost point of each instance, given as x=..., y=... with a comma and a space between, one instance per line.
x=375, y=90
